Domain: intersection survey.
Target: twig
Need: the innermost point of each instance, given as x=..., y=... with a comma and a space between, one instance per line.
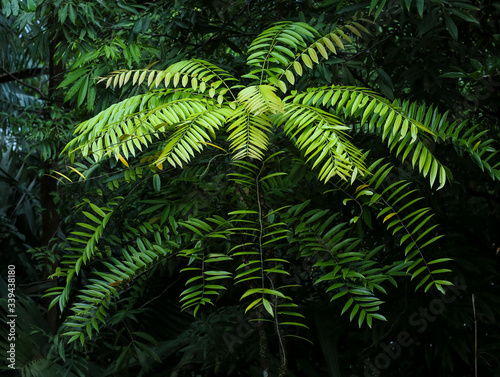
x=23, y=74
x=368, y=49
x=157, y=297
x=26, y=85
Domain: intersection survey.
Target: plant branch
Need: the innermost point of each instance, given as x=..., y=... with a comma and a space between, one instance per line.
x=22, y=74
x=14, y=78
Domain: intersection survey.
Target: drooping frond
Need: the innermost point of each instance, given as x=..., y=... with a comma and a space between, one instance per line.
x=395, y=206
x=321, y=137
x=83, y=247
x=94, y=301
x=380, y=116
x=191, y=134
x=346, y=269
x=260, y=264
x=206, y=284
x=129, y=125
x=463, y=136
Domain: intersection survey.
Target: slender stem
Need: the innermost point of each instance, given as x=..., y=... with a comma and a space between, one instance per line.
x=260, y=315
x=261, y=225
x=282, y=351
x=475, y=335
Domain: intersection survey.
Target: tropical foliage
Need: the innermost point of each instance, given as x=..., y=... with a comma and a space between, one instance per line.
x=181, y=113
x=254, y=188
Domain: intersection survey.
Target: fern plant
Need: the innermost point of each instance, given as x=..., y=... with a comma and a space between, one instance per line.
x=267, y=139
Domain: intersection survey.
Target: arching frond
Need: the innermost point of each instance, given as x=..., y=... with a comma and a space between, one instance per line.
x=380, y=116
x=191, y=135
x=283, y=48
x=396, y=207
x=278, y=44
x=107, y=129
x=321, y=137
x=126, y=127
x=462, y=135
x=198, y=74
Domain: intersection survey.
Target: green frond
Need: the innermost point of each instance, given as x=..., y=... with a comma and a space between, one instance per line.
x=126, y=127
x=83, y=247
x=191, y=134
x=95, y=300
x=461, y=135
x=198, y=74
x=321, y=137
x=260, y=99
x=249, y=126
x=278, y=44
x=205, y=268
x=285, y=46
x=310, y=54
x=379, y=116
x=104, y=132
x=395, y=206
x=347, y=270
x=258, y=262
x=256, y=229
x=249, y=135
